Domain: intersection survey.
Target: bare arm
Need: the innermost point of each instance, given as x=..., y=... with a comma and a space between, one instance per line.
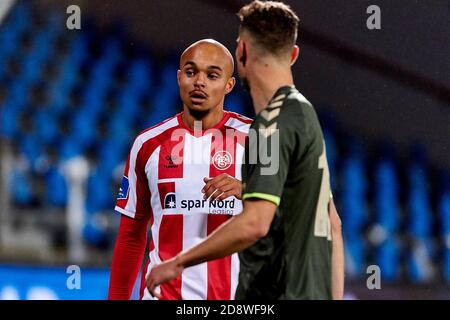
x=235, y=235
x=238, y=233
x=337, y=256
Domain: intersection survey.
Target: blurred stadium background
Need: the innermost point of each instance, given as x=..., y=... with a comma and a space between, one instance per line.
x=71, y=102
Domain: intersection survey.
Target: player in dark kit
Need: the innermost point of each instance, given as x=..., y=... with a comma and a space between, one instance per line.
x=294, y=260
x=289, y=234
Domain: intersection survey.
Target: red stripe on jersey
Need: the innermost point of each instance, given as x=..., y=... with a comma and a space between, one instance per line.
x=223, y=160
x=240, y=137
x=151, y=246
x=219, y=270
x=223, y=154
x=240, y=117
x=170, y=164
x=144, y=271
x=170, y=244
x=143, y=205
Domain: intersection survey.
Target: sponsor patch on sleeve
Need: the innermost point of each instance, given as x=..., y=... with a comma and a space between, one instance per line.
x=124, y=189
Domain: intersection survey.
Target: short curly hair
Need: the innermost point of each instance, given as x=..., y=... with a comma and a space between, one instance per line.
x=272, y=24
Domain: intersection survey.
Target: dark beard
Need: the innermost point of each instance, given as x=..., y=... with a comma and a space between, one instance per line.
x=245, y=84
x=198, y=114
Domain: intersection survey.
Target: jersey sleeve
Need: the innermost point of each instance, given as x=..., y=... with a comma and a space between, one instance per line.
x=271, y=148
x=133, y=199
x=127, y=257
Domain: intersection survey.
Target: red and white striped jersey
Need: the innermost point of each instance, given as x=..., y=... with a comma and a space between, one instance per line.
x=164, y=177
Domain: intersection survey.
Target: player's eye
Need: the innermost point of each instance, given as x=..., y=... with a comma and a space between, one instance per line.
x=189, y=73
x=213, y=75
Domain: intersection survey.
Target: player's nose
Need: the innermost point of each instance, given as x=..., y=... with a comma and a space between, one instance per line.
x=200, y=80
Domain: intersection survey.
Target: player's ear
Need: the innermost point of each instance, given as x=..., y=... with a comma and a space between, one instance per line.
x=241, y=52
x=178, y=77
x=230, y=85
x=294, y=54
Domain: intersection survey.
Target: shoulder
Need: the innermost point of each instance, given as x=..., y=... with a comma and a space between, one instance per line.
x=298, y=112
x=296, y=104
x=289, y=112
x=149, y=134
x=238, y=122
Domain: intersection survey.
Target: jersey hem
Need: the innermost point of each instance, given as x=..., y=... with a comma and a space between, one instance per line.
x=125, y=212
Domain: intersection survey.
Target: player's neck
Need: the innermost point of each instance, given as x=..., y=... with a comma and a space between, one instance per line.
x=208, y=120
x=265, y=82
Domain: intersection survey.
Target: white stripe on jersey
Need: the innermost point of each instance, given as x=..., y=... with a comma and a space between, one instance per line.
x=195, y=279
x=140, y=140
x=151, y=167
x=194, y=284
x=238, y=125
x=235, y=265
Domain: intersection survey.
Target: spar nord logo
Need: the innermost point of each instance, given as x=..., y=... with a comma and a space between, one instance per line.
x=215, y=206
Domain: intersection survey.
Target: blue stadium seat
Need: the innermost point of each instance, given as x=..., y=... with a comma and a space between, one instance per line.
x=112, y=51
x=20, y=18
x=120, y=127
x=111, y=153
x=9, y=119
x=165, y=100
x=355, y=255
x=140, y=76
x=387, y=257
x=420, y=264
x=32, y=150
x=386, y=196
x=53, y=24
x=354, y=212
x=94, y=232
x=8, y=48
x=234, y=102
x=78, y=49
x=83, y=132
x=69, y=148
x=18, y=95
x=164, y=105
x=419, y=222
x=128, y=105
x=386, y=205
x=99, y=193
x=20, y=187
x=331, y=150
x=46, y=127
x=56, y=188
x=420, y=257
x=444, y=216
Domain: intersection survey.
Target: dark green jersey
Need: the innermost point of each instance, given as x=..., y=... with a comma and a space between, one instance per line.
x=285, y=163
